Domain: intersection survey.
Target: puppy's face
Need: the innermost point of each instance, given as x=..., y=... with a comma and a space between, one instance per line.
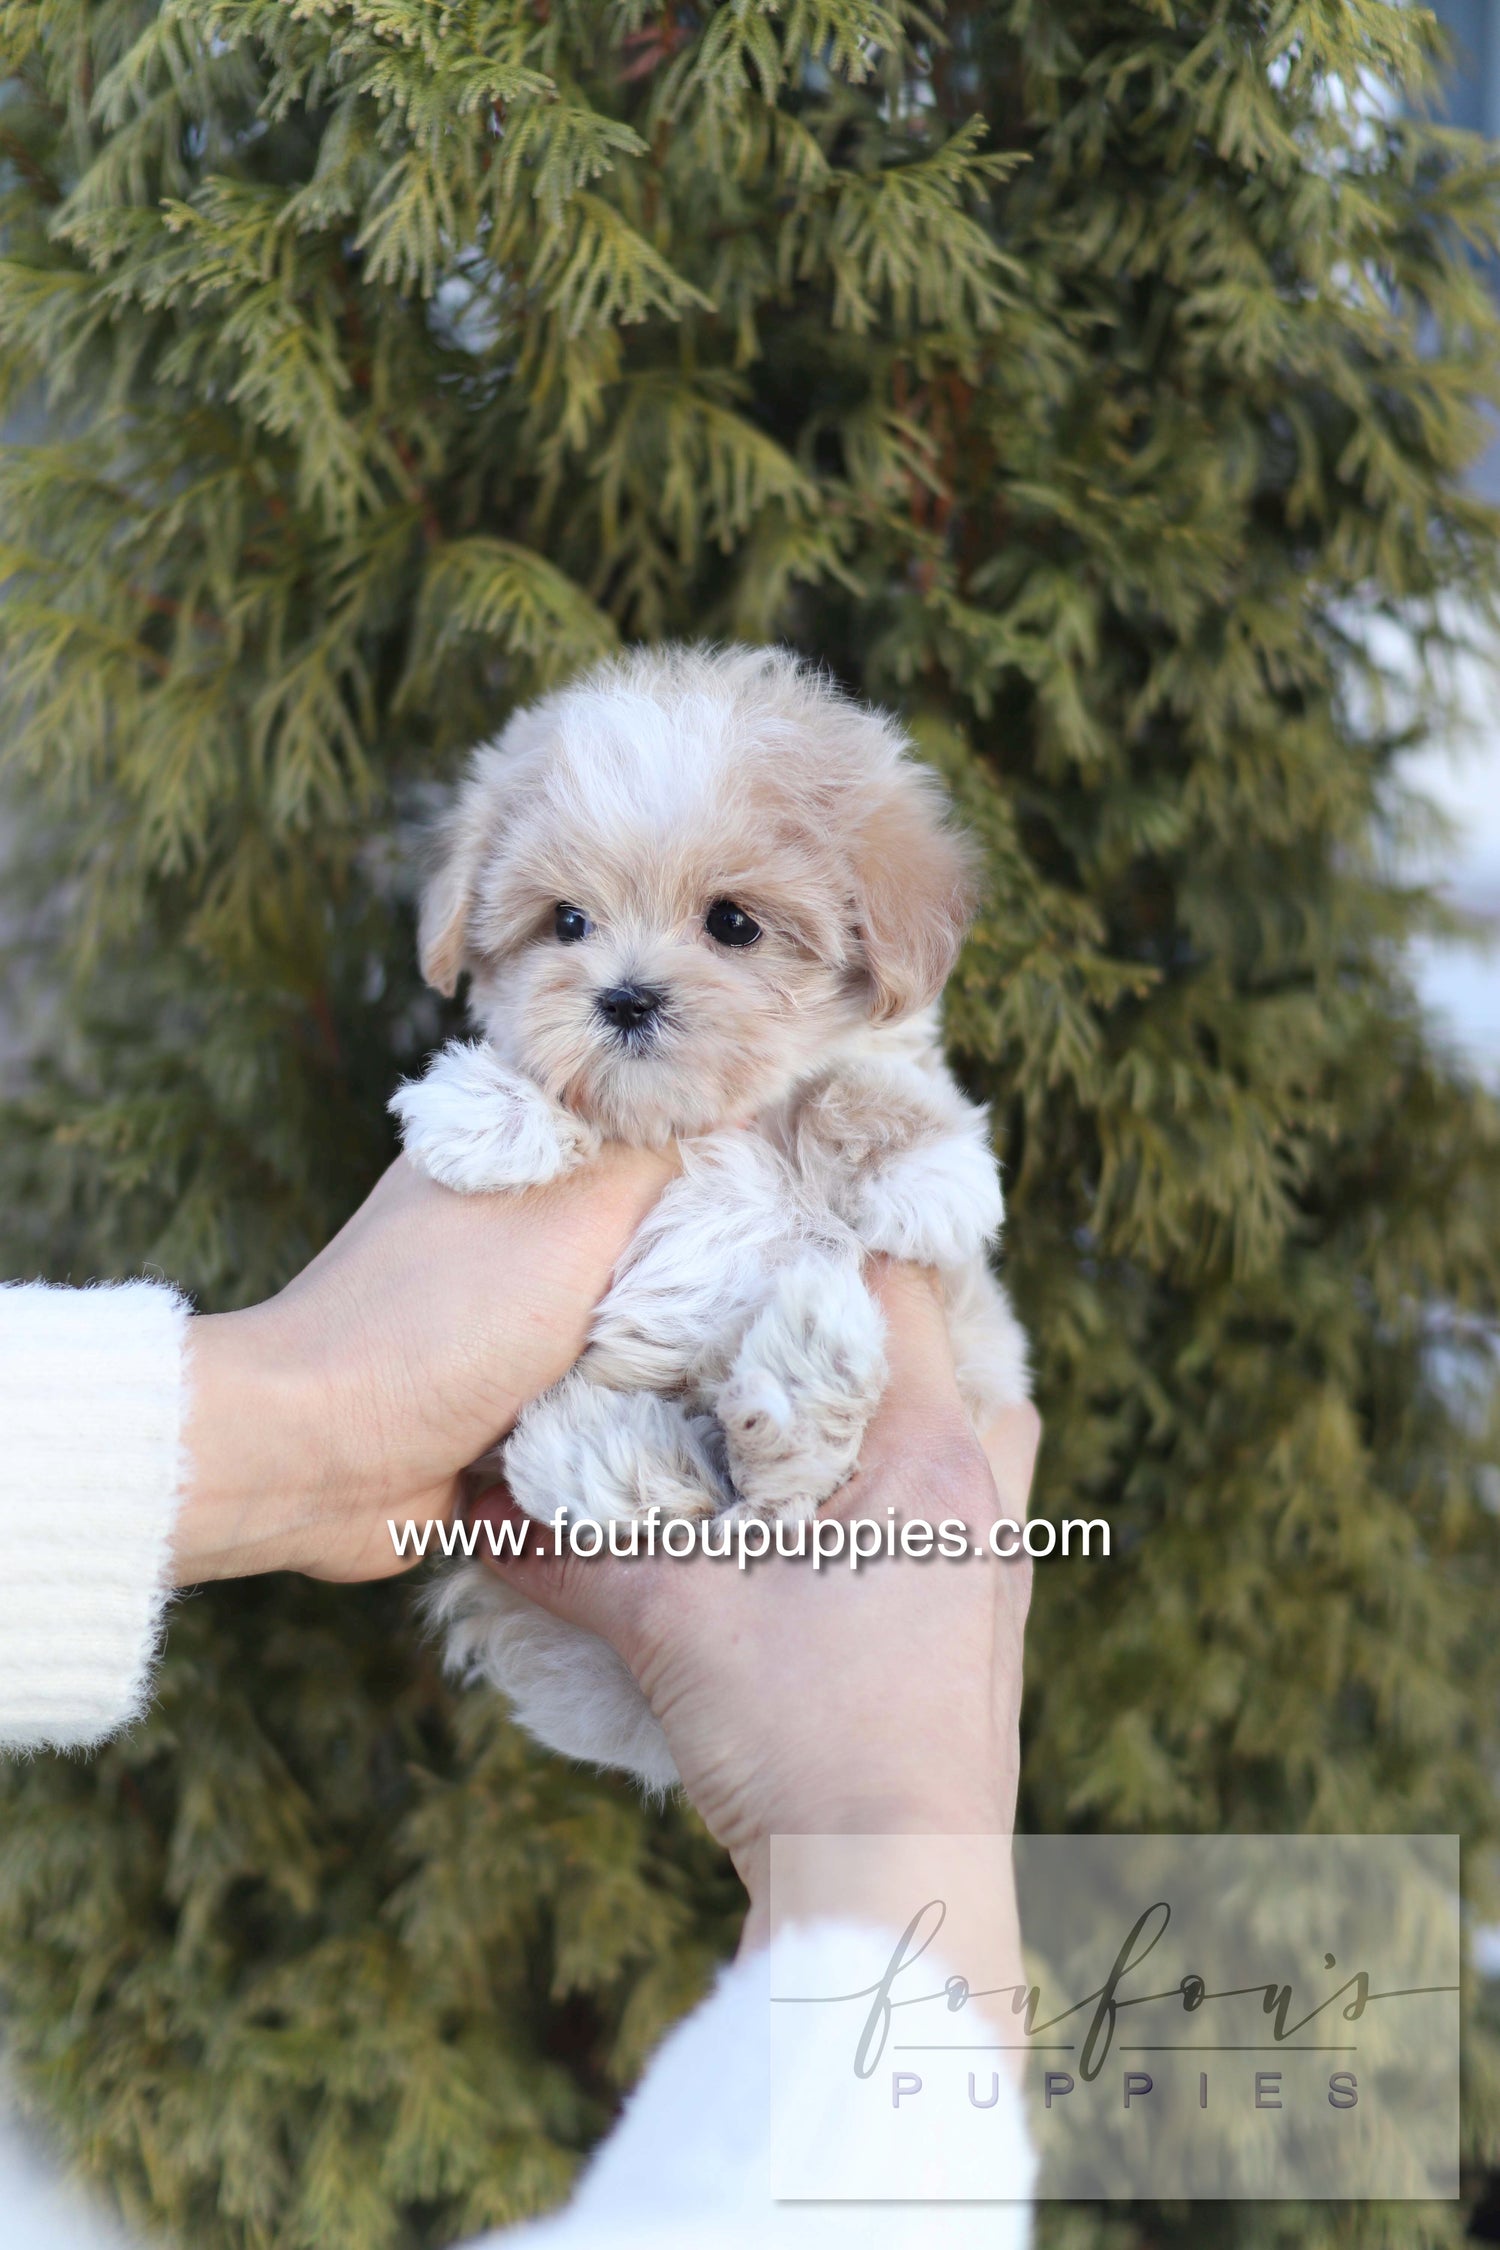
x=678, y=882
x=657, y=974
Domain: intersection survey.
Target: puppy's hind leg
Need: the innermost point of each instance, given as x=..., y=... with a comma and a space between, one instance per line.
x=803, y=1385
x=599, y=1454
x=595, y=1454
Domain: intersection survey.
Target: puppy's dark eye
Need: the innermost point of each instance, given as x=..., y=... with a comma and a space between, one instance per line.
x=730, y=924
x=570, y=923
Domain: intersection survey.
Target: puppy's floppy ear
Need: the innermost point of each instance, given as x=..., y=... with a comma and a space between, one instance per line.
x=463, y=837
x=917, y=883
x=448, y=896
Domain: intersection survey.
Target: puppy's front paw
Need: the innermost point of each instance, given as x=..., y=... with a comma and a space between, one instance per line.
x=476, y=1125
x=936, y=1205
x=600, y=1454
x=904, y=1160
x=806, y=1379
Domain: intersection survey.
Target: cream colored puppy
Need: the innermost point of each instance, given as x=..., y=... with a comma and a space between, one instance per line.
x=704, y=895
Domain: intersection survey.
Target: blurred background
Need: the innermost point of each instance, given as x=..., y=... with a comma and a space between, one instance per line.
x=1095, y=384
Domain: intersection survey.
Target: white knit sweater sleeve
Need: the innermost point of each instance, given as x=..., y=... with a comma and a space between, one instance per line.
x=91, y=1404
x=690, y=2164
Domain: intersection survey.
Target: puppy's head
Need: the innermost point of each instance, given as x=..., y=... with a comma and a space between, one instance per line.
x=677, y=880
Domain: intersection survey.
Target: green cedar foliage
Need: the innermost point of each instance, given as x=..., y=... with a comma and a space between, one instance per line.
x=1079, y=376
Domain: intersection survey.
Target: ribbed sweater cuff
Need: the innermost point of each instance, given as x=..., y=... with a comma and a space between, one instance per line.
x=91, y=1410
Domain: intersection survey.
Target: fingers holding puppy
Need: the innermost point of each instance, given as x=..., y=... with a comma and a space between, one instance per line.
x=921, y=1438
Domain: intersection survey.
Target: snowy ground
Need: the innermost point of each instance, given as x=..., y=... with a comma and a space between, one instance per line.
x=41, y=2213
x=1461, y=983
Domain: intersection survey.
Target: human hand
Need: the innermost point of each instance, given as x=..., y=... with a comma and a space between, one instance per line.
x=884, y=1701
x=402, y=1352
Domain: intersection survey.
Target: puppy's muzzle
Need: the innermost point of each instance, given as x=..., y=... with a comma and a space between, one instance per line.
x=630, y=1009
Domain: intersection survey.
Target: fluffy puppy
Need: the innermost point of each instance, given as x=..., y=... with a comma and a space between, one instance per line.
x=702, y=894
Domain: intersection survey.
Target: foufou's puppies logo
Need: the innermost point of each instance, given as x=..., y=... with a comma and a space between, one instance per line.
x=1192, y=2016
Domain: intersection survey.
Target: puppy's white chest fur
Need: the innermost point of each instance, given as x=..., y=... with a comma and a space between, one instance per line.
x=699, y=887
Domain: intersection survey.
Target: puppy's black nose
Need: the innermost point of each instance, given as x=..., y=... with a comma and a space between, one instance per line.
x=628, y=1006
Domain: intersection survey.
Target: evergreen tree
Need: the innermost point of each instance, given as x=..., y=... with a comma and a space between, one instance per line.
x=1078, y=376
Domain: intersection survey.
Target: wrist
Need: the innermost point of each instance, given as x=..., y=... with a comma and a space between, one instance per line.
x=880, y=1874
x=251, y=1453
x=977, y=1807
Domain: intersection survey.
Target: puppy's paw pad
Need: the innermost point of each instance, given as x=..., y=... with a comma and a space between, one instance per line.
x=755, y=1409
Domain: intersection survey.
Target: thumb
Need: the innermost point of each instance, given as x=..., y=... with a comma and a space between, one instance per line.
x=602, y=1593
